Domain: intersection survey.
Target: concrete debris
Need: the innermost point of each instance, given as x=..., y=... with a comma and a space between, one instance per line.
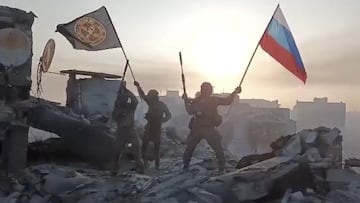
x=352, y=162
x=302, y=167
x=293, y=147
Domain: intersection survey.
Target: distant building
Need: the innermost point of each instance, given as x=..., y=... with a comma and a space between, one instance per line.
x=261, y=103
x=319, y=112
x=249, y=125
x=247, y=129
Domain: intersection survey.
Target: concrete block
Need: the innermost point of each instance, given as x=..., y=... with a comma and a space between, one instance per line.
x=329, y=138
x=15, y=148
x=310, y=137
x=293, y=148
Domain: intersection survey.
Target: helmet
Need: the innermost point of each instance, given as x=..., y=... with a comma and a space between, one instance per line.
x=206, y=89
x=153, y=94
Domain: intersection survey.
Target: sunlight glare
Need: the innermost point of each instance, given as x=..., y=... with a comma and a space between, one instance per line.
x=220, y=54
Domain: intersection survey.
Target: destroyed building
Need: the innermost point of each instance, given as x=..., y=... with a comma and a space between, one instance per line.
x=85, y=93
x=319, y=112
x=16, y=44
x=307, y=166
x=261, y=103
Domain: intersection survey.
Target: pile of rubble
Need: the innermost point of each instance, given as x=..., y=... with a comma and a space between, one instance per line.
x=304, y=167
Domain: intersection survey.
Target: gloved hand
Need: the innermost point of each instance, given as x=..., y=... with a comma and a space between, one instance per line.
x=184, y=96
x=136, y=84
x=237, y=90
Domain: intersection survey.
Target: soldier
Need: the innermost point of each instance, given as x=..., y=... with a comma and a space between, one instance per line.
x=204, y=122
x=157, y=114
x=123, y=115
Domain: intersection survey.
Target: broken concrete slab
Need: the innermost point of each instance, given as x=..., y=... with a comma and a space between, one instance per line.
x=255, y=181
x=293, y=147
x=296, y=196
x=56, y=183
x=329, y=137
x=173, y=186
x=342, y=175
x=98, y=147
x=204, y=196
x=309, y=138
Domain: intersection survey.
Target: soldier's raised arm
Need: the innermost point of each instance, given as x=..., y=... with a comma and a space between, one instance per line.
x=229, y=99
x=141, y=92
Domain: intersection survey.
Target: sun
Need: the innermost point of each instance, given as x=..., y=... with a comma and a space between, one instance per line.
x=219, y=53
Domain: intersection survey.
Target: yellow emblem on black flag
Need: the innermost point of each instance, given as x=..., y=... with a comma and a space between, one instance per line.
x=93, y=31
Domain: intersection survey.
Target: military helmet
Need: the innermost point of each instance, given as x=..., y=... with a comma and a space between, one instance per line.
x=206, y=88
x=153, y=94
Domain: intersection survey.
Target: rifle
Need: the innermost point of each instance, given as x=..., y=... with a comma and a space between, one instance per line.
x=182, y=74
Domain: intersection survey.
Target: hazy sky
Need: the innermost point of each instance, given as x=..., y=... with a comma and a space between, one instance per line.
x=217, y=39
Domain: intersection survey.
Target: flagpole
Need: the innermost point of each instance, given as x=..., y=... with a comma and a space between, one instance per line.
x=127, y=61
x=253, y=54
x=122, y=48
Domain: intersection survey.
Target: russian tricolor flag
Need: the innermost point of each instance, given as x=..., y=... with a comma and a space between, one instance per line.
x=279, y=43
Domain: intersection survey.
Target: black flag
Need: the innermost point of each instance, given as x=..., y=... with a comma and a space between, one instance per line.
x=93, y=31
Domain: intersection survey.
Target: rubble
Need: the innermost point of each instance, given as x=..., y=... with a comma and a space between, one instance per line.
x=303, y=167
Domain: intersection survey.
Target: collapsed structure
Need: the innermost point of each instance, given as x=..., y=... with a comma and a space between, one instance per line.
x=302, y=167
x=16, y=44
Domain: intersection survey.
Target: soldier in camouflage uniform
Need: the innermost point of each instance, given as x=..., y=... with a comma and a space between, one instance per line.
x=157, y=114
x=123, y=115
x=204, y=122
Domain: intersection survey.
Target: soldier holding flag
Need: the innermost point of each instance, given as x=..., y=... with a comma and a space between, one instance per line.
x=205, y=119
x=123, y=115
x=157, y=114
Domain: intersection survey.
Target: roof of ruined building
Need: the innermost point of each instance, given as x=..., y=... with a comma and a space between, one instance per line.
x=13, y=16
x=90, y=73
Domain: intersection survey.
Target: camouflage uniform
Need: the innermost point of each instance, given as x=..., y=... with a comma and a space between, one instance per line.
x=203, y=126
x=157, y=114
x=123, y=114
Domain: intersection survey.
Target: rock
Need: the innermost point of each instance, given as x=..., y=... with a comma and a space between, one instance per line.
x=297, y=196
x=142, y=182
x=310, y=191
x=36, y=199
x=204, y=196
x=61, y=181
x=12, y=198
x=286, y=196
x=19, y=187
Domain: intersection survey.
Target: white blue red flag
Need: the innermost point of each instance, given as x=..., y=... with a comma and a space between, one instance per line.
x=279, y=43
